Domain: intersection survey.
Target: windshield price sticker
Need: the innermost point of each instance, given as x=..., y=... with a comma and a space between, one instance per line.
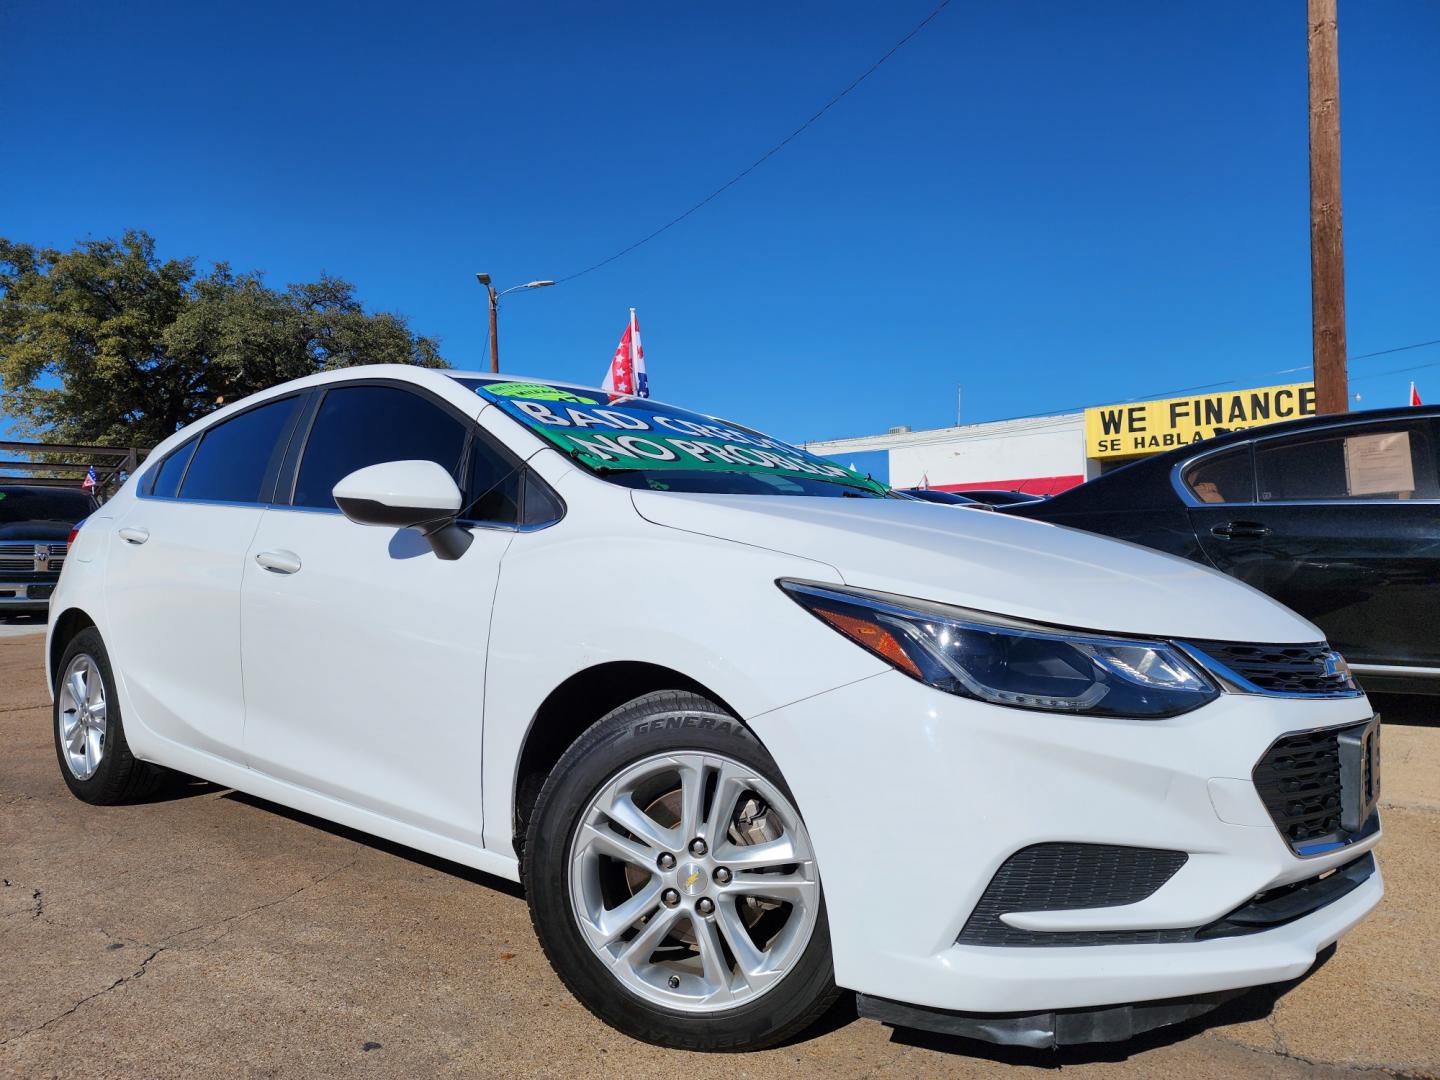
x=627, y=435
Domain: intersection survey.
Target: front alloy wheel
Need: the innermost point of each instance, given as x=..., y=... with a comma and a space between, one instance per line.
x=692, y=878
x=673, y=883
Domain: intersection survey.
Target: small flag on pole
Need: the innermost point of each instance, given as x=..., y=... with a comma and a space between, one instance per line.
x=627, y=367
x=1414, y=395
x=90, y=480
x=925, y=481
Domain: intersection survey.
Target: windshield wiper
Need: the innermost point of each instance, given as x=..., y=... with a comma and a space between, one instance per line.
x=580, y=458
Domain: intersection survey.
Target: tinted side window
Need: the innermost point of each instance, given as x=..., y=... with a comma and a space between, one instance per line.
x=1224, y=478
x=365, y=425
x=1383, y=462
x=541, y=507
x=494, y=486
x=234, y=458
x=165, y=481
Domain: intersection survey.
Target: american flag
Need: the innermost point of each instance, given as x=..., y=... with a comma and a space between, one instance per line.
x=627, y=367
x=90, y=480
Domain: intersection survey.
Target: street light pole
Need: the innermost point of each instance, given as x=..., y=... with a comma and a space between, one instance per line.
x=1327, y=250
x=484, y=279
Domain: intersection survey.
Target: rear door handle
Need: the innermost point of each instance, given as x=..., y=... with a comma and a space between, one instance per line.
x=279, y=562
x=133, y=536
x=1240, y=530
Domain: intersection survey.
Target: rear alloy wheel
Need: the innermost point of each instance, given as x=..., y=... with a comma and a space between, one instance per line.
x=81, y=716
x=95, y=760
x=687, y=881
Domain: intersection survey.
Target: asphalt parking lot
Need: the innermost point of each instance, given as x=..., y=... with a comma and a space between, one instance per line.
x=213, y=934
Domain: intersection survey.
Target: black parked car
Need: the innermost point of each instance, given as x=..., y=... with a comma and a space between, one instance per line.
x=1001, y=497
x=945, y=498
x=1337, y=517
x=35, y=525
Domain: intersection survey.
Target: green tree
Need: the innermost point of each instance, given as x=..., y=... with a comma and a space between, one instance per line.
x=107, y=344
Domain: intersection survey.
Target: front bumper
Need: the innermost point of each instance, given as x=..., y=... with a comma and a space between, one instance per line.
x=25, y=595
x=914, y=799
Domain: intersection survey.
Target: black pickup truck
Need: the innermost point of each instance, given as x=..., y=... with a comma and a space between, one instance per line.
x=35, y=526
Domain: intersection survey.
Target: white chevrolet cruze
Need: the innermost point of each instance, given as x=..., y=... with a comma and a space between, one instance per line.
x=747, y=726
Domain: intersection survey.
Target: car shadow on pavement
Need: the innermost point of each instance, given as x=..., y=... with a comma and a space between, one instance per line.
x=182, y=787
x=400, y=851
x=1256, y=1004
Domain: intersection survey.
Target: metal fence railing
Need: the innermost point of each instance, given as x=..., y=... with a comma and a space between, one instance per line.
x=67, y=464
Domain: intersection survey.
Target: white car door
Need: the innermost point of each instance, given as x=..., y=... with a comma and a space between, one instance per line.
x=173, y=578
x=365, y=652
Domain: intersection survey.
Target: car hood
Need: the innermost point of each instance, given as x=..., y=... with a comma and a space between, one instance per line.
x=42, y=531
x=991, y=562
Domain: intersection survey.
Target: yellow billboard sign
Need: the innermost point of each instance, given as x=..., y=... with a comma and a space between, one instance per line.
x=1147, y=427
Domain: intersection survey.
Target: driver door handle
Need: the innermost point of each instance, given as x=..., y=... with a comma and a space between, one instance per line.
x=279, y=562
x=1240, y=530
x=133, y=536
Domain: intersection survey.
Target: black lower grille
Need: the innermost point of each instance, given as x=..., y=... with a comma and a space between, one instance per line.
x=1264, y=911
x=1299, y=782
x=1060, y=877
x=1283, y=669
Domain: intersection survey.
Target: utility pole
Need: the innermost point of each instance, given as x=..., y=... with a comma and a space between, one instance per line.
x=1327, y=249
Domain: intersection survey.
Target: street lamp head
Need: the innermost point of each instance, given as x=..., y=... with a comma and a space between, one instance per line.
x=483, y=279
x=538, y=284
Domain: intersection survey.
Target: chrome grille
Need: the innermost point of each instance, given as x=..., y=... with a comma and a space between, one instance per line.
x=20, y=557
x=1292, y=670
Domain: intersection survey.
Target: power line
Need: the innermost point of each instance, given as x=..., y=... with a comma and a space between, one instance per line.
x=768, y=153
x=1260, y=375
x=1161, y=394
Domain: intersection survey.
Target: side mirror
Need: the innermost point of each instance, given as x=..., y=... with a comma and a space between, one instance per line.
x=406, y=495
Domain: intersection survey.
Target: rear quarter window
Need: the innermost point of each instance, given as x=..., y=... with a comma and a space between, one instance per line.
x=1224, y=478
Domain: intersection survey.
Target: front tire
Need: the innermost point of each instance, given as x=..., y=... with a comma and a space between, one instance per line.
x=95, y=760
x=672, y=882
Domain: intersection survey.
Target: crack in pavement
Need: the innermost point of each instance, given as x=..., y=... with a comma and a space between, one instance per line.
x=137, y=973
x=1385, y=1070
x=239, y=916
x=37, y=904
x=156, y=950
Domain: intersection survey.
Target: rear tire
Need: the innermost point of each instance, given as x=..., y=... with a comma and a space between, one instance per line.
x=95, y=760
x=724, y=949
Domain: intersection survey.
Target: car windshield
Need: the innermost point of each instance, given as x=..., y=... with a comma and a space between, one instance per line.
x=640, y=443
x=18, y=504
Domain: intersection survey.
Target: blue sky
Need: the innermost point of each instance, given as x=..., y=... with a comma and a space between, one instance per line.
x=1052, y=204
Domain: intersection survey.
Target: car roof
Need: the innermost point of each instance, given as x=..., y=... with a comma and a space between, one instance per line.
x=1155, y=469
x=48, y=489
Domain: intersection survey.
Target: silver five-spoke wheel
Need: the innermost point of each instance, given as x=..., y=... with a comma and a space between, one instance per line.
x=82, y=717
x=693, y=879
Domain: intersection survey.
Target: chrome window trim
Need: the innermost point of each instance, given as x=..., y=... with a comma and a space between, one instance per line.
x=1188, y=498
x=469, y=523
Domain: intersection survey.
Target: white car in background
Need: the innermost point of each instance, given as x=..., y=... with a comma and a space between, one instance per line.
x=747, y=728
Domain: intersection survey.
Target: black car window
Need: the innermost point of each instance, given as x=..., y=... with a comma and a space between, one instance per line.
x=42, y=506
x=1389, y=461
x=494, y=486
x=235, y=457
x=541, y=505
x=165, y=481
x=1224, y=478
x=358, y=426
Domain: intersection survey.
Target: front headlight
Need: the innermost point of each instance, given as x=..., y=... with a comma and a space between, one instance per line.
x=1007, y=662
